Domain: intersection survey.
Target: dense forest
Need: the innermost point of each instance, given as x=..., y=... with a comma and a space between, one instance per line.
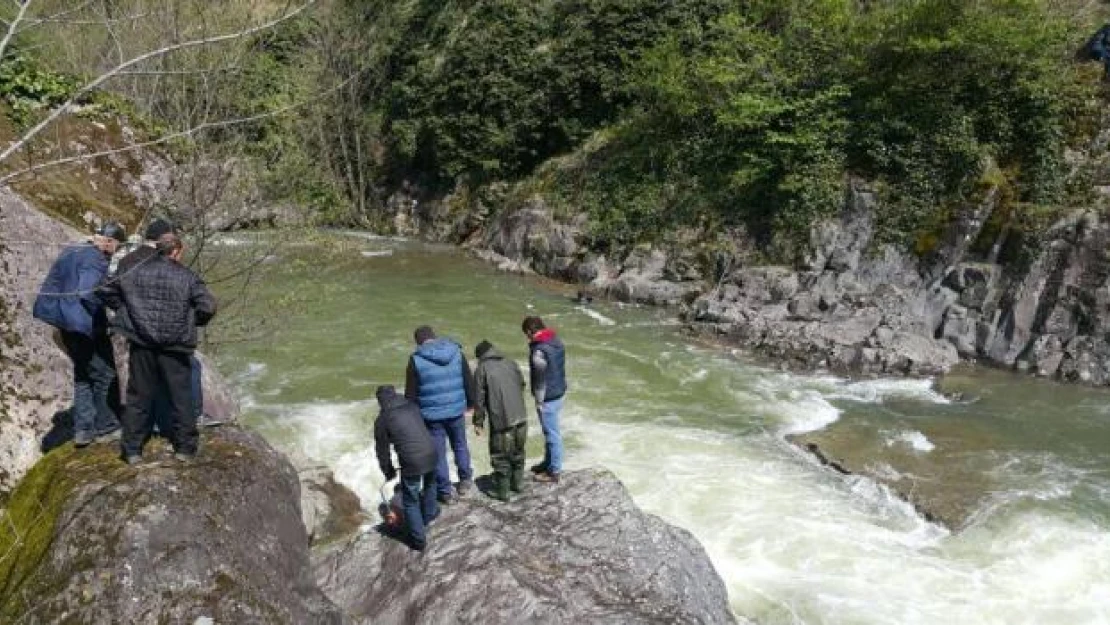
x=647, y=116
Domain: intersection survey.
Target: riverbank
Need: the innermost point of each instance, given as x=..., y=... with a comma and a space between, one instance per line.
x=853, y=306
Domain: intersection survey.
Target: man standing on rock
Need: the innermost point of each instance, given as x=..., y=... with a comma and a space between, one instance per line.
x=162, y=302
x=400, y=424
x=500, y=394
x=161, y=409
x=68, y=300
x=439, y=380
x=547, y=363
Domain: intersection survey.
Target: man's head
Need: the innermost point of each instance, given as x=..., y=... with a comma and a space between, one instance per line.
x=481, y=349
x=385, y=393
x=423, y=334
x=157, y=228
x=531, y=326
x=170, y=245
x=109, y=236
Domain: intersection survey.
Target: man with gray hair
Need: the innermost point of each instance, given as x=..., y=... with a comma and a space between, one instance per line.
x=68, y=301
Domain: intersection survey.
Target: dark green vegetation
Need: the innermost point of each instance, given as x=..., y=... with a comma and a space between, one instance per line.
x=657, y=116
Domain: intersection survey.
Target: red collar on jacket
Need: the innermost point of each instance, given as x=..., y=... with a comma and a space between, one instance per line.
x=543, y=336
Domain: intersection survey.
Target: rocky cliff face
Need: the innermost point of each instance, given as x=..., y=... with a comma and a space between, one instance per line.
x=854, y=306
x=578, y=552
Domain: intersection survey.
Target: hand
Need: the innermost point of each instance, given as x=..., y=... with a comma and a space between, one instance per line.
x=390, y=474
x=478, y=431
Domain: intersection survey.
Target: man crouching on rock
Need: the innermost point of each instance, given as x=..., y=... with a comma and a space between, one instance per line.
x=164, y=302
x=400, y=424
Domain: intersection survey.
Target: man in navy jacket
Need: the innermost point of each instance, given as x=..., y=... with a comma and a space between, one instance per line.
x=69, y=301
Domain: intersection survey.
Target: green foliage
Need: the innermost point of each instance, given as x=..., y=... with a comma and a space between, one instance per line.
x=759, y=124
x=28, y=87
x=492, y=88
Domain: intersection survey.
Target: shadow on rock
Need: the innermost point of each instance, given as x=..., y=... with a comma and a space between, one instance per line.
x=60, y=433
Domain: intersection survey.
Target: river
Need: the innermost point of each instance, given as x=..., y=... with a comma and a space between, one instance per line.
x=697, y=434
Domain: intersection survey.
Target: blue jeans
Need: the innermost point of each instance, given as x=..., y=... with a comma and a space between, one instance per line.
x=418, y=499
x=455, y=431
x=94, y=370
x=553, y=439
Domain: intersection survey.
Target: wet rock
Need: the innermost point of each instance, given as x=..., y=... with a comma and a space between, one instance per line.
x=98, y=541
x=578, y=552
x=329, y=510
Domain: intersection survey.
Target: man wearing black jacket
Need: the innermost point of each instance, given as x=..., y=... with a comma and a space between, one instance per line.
x=162, y=302
x=399, y=424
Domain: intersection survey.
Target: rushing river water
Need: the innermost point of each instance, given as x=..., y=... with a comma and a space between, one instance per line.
x=697, y=435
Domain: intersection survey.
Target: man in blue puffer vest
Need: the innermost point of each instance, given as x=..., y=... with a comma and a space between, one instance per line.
x=68, y=300
x=439, y=380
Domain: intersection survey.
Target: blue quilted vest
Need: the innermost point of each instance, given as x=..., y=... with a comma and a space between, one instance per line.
x=439, y=367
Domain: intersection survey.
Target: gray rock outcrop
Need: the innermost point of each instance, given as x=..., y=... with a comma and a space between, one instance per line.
x=578, y=552
x=531, y=239
x=90, y=539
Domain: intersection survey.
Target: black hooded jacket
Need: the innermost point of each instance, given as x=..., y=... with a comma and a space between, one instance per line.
x=400, y=424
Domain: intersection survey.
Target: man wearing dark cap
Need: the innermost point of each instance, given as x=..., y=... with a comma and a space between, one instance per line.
x=399, y=424
x=499, y=387
x=160, y=411
x=68, y=300
x=438, y=379
x=159, y=303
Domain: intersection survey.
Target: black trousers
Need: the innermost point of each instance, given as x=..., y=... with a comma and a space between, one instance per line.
x=153, y=371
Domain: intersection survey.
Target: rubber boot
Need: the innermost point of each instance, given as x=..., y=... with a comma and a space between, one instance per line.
x=516, y=482
x=500, y=487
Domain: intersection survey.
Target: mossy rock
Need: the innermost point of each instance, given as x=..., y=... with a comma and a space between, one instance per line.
x=90, y=539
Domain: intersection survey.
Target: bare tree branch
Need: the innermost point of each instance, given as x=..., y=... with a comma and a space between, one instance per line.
x=99, y=80
x=187, y=133
x=13, y=26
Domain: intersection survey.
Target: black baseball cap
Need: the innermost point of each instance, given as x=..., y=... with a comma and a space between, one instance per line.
x=112, y=230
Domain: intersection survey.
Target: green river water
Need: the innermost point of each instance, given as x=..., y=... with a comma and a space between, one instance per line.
x=697, y=434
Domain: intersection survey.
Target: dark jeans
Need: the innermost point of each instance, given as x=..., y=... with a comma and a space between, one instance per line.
x=418, y=498
x=506, y=454
x=160, y=412
x=94, y=371
x=154, y=371
x=455, y=431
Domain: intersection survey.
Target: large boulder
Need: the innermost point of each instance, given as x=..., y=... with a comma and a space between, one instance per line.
x=35, y=378
x=89, y=539
x=578, y=552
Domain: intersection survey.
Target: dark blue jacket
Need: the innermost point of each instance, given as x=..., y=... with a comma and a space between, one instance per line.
x=68, y=299
x=440, y=380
